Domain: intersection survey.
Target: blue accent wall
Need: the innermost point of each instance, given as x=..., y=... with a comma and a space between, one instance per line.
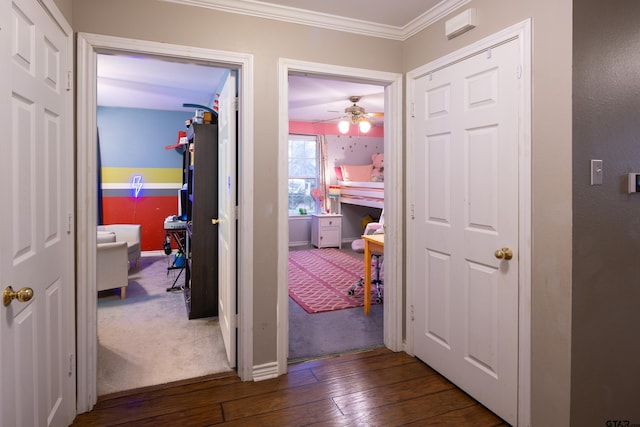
x=131, y=137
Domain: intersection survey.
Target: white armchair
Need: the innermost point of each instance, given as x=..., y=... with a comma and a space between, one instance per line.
x=112, y=266
x=129, y=233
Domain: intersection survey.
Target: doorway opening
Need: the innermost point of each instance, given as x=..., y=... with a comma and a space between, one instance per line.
x=143, y=105
x=392, y=332
x=323, y=222
x=89, y=45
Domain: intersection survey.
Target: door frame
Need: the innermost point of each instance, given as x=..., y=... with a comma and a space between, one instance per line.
x=393, y=202
x=88, y=46
x=522, y=33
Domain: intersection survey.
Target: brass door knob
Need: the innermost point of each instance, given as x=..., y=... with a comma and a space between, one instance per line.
x=504, y=253
x=215, y=221
x=23, y=295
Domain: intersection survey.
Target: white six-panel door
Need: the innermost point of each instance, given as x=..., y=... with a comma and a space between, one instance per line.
x=465, y=167
x=226, y=214
x=37, y=341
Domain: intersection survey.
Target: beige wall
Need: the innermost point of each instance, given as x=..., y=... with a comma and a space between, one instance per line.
x=551, y=181
x=270, y=40
x=65, y=7
x=267, y=41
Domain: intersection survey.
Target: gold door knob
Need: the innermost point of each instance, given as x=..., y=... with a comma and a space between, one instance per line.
x=23, y=295
x=504, y=253
x=215, y=221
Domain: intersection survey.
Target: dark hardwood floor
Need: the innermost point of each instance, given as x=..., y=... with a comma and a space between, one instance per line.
x=373, y=388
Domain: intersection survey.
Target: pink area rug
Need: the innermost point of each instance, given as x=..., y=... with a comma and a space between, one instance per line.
x=319, y=280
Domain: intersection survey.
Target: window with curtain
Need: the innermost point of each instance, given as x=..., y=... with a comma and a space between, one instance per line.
x=303, y=172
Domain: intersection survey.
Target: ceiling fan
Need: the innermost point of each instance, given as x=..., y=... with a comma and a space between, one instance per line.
x=357, y=115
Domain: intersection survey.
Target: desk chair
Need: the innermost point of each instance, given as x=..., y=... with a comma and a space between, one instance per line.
x=358, y=246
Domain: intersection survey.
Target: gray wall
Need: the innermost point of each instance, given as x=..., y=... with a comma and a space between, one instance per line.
x=606, y=222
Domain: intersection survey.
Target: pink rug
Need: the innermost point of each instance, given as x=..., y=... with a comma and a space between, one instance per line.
x=320, y=278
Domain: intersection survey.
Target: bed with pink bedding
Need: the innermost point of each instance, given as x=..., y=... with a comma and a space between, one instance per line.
x=357, y=187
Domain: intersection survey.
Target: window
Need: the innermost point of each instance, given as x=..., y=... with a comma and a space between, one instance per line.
x=303, y=172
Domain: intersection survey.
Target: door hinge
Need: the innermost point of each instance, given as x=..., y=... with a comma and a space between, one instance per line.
x=235, y=212
x=69, y=223
x=72, y=364
x=69, y=80
x=519, y=72
x=412, y=313
x=413, y=109
x=236, y=104
x=234, y=321
x=413, y=211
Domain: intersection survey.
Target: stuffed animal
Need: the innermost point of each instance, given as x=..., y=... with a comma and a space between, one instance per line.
x=378, y=167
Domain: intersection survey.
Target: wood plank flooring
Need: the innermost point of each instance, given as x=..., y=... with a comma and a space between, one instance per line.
x=373, y=388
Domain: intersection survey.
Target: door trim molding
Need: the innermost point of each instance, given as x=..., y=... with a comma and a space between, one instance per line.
x=393, y=202
x=522, y=33
x=88, y=46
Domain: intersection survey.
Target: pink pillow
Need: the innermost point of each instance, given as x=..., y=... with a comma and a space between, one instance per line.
x=338, y=170
x=357, y=172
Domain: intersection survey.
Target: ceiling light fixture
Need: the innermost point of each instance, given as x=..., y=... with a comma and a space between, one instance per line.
x=344, y=126
x=357, y=116
x=364, y=125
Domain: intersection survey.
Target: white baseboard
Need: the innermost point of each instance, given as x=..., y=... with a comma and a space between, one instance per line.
x=301, y=243
x=265, y=372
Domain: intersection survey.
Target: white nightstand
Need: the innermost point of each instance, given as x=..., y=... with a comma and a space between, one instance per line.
x=326, y=230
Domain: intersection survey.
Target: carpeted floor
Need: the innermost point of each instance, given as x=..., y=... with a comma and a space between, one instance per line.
x=333, y=332
x=147, y=338
x=319, y=279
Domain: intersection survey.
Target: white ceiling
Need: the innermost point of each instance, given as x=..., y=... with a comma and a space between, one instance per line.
x=149, y=83
x=138, y=82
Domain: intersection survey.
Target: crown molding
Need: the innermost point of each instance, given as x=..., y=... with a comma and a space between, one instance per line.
x=261, y=9
x=431, y=16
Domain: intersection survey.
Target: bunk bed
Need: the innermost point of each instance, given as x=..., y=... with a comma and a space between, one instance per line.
x=362, y=193
x=361, y=185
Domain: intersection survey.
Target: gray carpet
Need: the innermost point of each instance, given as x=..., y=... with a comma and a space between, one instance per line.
x=147, y=339
x=333, y=332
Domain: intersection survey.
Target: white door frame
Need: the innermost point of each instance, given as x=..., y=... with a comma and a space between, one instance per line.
x=89, y=45
x=392, y=194
x=521, y=32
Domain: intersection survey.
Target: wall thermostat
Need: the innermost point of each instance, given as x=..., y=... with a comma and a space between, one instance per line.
x=634, y=183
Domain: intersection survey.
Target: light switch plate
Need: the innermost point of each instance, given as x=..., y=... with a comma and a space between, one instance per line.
x=596, y=172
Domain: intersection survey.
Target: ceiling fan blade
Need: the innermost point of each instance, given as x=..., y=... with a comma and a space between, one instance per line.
x=330, y=120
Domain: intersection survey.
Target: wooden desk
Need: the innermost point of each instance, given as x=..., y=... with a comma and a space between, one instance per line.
x=372, y=243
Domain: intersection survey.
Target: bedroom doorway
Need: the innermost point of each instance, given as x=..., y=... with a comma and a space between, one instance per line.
x=147, y=94
x=88, y=47
x=325, y=307
x=392, y=307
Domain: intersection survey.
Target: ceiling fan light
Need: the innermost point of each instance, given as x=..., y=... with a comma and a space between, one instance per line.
x=343, y=126
x=365, y=126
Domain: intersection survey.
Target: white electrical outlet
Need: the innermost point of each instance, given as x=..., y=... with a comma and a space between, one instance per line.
x=596, y=172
